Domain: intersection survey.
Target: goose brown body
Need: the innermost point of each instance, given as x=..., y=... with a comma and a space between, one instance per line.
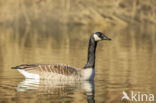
x=46, y=71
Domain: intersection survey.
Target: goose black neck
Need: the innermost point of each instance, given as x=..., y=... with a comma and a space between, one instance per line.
x=91, y=53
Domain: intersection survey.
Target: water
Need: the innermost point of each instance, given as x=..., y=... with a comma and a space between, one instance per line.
x=127, y=63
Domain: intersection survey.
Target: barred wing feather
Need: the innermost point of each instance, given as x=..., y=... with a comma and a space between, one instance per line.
x=48, y=69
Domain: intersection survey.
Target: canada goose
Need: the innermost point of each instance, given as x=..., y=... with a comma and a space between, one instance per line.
x=65, y=72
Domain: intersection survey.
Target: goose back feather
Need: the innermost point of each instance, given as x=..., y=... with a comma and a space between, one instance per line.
x=45, y=71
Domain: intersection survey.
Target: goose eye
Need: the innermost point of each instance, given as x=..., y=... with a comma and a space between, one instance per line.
x=101, y=36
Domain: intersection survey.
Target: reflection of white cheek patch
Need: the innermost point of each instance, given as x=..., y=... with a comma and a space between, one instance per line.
x=96, y=37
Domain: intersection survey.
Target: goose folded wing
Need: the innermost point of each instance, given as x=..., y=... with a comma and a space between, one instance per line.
x=50, y=68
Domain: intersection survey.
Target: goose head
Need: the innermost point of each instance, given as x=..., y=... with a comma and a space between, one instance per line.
x=98, y=36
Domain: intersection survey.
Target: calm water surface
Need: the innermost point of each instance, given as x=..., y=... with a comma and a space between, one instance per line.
x=127, y=63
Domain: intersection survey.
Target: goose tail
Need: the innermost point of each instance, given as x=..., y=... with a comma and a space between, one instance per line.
x=15, y=67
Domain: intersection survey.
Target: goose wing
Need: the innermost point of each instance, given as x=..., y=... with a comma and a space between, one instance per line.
x=50, y=68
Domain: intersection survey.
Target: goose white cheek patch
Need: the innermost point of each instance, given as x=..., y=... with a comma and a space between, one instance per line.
x=96, y=37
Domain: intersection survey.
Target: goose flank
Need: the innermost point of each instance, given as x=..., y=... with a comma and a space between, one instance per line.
x=62, y=71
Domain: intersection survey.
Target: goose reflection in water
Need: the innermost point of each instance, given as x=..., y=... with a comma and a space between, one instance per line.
x=58, y=88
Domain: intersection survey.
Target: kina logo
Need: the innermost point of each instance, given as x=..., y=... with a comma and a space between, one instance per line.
x=137, y=97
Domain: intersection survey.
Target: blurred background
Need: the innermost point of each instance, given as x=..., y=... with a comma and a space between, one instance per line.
x=57, y=31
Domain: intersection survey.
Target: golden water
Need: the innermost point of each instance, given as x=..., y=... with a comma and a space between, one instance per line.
x=128, y=63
